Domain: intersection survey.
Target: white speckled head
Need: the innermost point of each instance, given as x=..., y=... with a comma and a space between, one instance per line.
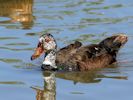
x=48, y=42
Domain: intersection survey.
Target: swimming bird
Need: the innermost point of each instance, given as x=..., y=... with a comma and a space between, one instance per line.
x=76, y=56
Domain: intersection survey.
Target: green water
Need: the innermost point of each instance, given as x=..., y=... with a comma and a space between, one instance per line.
x=89, y=21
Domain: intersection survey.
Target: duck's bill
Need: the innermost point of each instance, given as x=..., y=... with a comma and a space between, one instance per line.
x=38, y=51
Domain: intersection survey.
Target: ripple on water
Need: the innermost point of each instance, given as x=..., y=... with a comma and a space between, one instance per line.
x=10, y=60
x=12, y=82
x=16, y=49
x=17, y=44
x=8, y=38
x=4, y=19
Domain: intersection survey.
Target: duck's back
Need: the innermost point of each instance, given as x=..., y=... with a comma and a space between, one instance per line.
x=77, y=57
x=83, y=57
x=91, y=57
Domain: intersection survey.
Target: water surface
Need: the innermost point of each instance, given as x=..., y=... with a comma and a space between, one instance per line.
x=89, y=21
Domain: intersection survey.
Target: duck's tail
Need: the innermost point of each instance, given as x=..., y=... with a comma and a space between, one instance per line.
x=114, y=43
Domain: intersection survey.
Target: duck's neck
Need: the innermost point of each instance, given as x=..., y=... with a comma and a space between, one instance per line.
x=49, y=59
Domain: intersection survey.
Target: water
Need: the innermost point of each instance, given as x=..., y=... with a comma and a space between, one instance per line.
x=89, y=21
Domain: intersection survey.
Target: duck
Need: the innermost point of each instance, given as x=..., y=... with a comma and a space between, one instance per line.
x=76, y=56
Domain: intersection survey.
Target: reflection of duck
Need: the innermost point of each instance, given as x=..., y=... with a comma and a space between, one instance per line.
x=49, y=91
x=87, y=76
x=77, y=57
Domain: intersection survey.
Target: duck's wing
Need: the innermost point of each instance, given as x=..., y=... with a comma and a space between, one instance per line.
x=65, y=53
x=95, y=50
x=90, y=57
x=90, y=51
x=71, y=46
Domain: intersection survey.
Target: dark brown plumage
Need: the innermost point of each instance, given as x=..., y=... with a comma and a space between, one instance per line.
x=78, y=57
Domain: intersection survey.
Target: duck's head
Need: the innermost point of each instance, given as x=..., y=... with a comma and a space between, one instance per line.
x=45, y=45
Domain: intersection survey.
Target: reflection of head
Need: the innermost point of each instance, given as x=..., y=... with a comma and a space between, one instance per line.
x=50, y=82
x=49, y=90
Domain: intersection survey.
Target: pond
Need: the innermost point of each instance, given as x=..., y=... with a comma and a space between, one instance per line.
x=89, y=21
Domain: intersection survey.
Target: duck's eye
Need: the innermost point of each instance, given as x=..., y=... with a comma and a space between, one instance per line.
x=48, y=34
x=47, y=39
